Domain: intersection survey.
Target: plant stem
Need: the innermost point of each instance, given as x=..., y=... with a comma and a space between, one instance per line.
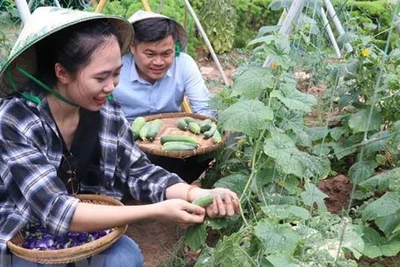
x=252, y=174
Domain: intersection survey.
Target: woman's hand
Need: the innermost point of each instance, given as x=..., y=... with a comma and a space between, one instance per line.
x=181, y=212
x=225, y=203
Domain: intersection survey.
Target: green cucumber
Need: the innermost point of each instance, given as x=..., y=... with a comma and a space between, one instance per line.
x=189, y=120
x=178, y=138
x=181, y=124
x=205, y=125
x=155, y=128
x=144, y=130
x=194, y=127
x=178, y=146
x=137, y=125
x=204, y=201
x=208, y=134
x=216, y=138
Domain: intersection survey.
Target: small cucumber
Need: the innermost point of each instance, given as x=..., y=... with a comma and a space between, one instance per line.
x=205, y=125
x=204, y=201
x=181, y=124
x=189, y=119
x=145, y=129
x=194, y=127
x=178, y=146
x=216, y=138
x=155, y=127
x=178, y=138
x=208, y=134
x=137, y=125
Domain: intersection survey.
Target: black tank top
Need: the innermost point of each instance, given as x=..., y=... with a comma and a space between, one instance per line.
x=80, y=165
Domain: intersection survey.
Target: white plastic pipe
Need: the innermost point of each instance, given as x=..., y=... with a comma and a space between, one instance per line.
x=23, y=10
x=330, y=33
x=287, y=25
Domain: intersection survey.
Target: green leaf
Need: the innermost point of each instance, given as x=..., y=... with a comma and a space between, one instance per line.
x=361, y=170
x=378, y=246
x=386, y=180
x=276, y=238
x=312, y=195
x=386, y=205
x=196, y=235
x=317, y=133
x=358, y=121
x=337, y=132
x=206, y=258
x=238, y=256
x=252, y=82
x=234, y=182
x=294, y=99
x=283, y=150
x=286, y=212
x=248, y=117
x=281, y=260
x=387, y=224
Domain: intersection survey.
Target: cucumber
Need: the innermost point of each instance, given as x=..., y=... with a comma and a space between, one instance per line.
x=208, y=134
x=205, y=125
x=194, y=127
x=204, y=201
x=189, y=120
x=178, y=146
x=136, y=125
x=144, y=130
x=181, y=124
x=216, y=138
x=155, y=127
x=178, y=138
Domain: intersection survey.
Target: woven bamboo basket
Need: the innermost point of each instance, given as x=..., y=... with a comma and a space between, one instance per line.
x=169, y=127
x=72, y=254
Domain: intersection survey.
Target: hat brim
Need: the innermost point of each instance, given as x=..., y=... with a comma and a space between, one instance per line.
x=142, y=15
x=25, y=57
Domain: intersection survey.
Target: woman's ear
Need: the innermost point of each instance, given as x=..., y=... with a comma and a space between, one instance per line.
x=62, y=74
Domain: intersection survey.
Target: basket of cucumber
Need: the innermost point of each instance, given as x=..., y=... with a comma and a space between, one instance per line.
x=34, y=244
x=177, y=135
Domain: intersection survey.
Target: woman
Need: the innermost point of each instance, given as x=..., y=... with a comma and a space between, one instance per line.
x=61, y=134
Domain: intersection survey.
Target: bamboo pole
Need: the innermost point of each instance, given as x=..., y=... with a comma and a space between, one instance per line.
x=146, y=5
x=100, y=6
x=207, y=41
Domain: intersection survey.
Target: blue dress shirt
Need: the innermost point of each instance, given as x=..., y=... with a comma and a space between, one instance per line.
x=139, y=97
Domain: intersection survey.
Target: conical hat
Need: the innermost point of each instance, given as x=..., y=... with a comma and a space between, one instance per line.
x=142, y=15
x=43, y=22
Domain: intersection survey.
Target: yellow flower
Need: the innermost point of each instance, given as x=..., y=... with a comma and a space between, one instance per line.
x=365, y=52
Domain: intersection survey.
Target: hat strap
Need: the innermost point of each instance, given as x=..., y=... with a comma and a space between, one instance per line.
x=25, y=95
x=178, y=48
x=44, y=86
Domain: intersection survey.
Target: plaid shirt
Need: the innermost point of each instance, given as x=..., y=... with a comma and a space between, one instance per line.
x=31, y=151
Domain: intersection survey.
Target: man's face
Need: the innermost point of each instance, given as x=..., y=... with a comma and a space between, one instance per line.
x=153, y=59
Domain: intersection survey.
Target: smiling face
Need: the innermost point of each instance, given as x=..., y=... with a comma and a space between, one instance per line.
x=153, y=59
x=97, y=80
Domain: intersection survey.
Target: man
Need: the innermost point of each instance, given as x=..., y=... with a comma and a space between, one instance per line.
x=156, y=76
